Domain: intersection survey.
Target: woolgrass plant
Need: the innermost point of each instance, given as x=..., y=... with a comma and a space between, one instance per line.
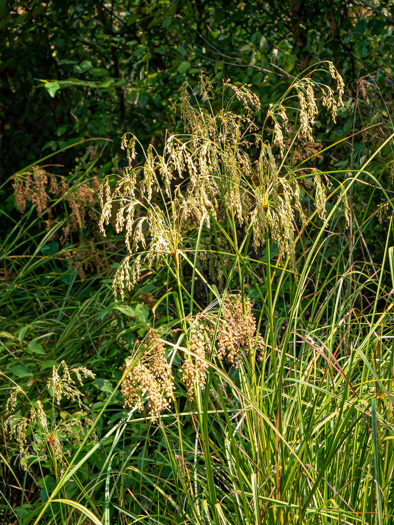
x=222, y=169
x=261, y=393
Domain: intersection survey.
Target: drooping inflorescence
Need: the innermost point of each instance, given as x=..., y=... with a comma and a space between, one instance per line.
x=150, y=379
x=45, y=191
x=43, y=434
x=222, y=168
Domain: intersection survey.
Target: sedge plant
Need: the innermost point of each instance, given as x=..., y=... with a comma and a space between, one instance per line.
x=258, y=387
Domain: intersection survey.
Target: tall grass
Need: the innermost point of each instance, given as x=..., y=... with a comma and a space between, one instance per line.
x=300, y=432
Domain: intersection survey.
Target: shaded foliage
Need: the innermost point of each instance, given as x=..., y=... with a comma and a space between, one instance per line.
x=117, y=66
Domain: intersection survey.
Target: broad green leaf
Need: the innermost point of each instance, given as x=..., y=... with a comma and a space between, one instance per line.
x=183, y=66
x=66, y=62
x=50, y=248
x=20, y=371
x=103, y=384
x=83, y=66
x=22, y=333
x=36, y=348
x=49, y=363
x=127, y=310
x=52, y=88
x=141, y=313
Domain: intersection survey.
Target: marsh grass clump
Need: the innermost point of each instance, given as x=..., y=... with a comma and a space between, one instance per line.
x=253, y=394
x=224, y=168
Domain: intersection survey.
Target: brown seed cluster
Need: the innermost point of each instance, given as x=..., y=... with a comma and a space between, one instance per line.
x=237, y=330
x=150, y=379
x=236, y=335
x=44, y=191
x=229, y=337
x=195, y=367
x=32, y=187
x=41, y=188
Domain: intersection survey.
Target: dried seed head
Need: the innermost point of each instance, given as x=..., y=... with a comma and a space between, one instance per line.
x=195, y=367
x=339, y=81
x=283, y=114
x=206, y=88
x=150, y=377
x=63, y=385
x=106, y=205
x=31, y=186
x=148, y=183
x=329, y=101
x=129, y=146
x=236, y=333
x=321, y=197
x=126, y=276
x=250, y=101
x=20, y=195
x=305, y=121
x=13, y=399
x=38, y=415
x=17, y=428
x=278, y=137
x=311, y=103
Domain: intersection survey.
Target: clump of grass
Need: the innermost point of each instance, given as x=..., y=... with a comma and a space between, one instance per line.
x=268, y=400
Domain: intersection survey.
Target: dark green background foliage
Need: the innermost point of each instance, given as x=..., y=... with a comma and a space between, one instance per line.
x=114, y=66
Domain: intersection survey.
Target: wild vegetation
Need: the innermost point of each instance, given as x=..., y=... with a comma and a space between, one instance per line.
x=196, y=318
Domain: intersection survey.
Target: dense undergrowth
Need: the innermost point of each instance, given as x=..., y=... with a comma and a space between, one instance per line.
x=242, y=372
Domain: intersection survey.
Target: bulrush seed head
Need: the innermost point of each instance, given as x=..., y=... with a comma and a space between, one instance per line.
x=195, y=367
x=212, y=171
x=236, y=332
x=150, y=378
x=226, y=338
x=236, y=336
